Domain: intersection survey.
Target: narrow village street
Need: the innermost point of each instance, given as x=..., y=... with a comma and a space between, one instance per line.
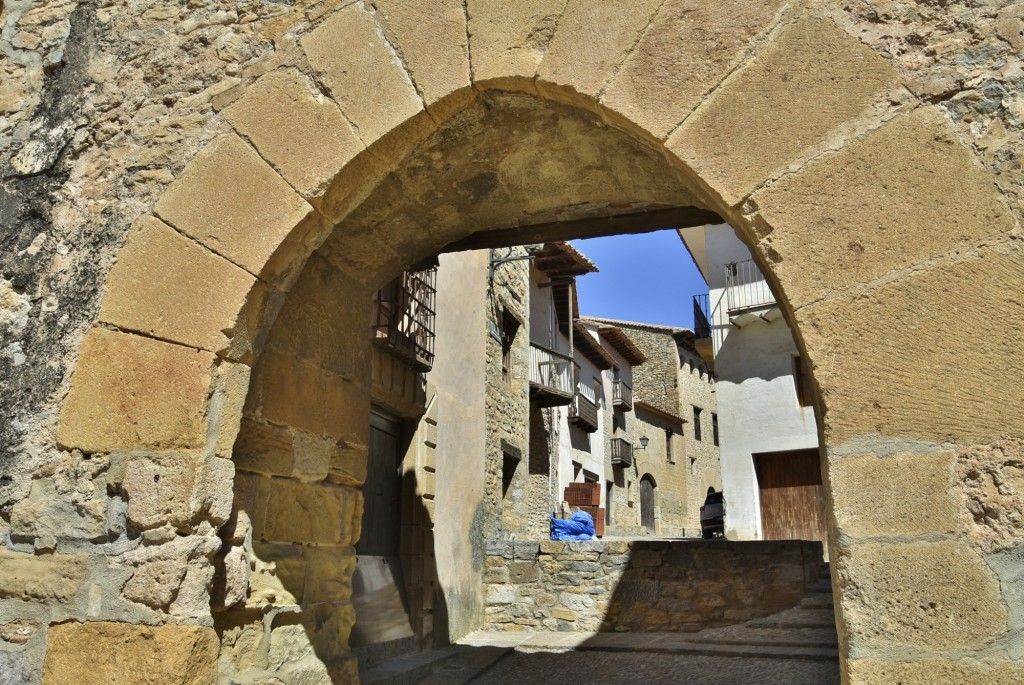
x=797, y=646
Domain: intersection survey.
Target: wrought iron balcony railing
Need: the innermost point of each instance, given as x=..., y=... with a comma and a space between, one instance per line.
x=403, y=317
x=701, y=316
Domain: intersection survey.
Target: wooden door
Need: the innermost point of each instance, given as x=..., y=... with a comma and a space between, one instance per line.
x=647, y=503
x=382, y=492
x=792, y=495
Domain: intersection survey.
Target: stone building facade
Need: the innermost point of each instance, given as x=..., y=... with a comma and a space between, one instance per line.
x=669, y=387
x=880, y=191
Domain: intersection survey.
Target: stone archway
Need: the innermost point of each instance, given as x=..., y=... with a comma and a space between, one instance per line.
x=874, y=222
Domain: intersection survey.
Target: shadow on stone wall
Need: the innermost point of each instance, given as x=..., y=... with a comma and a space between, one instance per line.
x=669, y=586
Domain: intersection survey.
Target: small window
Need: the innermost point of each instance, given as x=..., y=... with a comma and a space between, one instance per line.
x=803, y=386
x=668, y=446
x=696, y=423
x=714, y=428
x=511, y=456
x=509, y=328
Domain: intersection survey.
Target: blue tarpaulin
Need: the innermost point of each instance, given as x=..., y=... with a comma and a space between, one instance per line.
x=579, y=526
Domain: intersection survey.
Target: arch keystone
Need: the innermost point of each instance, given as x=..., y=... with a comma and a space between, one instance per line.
x=233, y=202
x=115, y=404
x=159, y=277
x=811, y=80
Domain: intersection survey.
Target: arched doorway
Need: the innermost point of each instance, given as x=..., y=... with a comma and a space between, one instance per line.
x=815, y=200
x=648, y=503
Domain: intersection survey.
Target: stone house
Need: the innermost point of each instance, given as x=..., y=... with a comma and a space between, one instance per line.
x=768, y=429
x=675, y=405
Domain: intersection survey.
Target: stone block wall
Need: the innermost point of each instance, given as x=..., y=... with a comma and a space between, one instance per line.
x=643, y=585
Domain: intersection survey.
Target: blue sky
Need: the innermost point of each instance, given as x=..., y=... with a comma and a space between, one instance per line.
x=648, y=277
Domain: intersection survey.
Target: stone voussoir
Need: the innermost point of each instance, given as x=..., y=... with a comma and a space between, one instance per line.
x=298, y=130
x=229, y=199
x=160, y=275
x=811, y=80
x=114, y=403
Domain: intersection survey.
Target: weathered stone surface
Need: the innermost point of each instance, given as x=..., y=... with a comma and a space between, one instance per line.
x=903, y=494
x=431, y=39
x=307, y=513
x=159, y=578
x=936, y=595
x=278, y=575
x=14, y=668
x=932, y=671
x=114, y=403
x=509, y=40
x=46, y=577
x=348, y=465
x=19, y=631
x=369, y=84
x=329, y=574
x=812, y=79
x=231, y=578
x=875, y=383
x=592, y=39
x=297, y=393
x=991, y=481
x=902, y=194
x=47, y=513
x=230, y=389
x=233, y=202
x=159, y=277
x=295, y=128
x=179, y=488
x=687, y=50
x=100, y=653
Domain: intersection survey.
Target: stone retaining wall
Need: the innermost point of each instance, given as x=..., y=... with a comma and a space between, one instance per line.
x=643, y=585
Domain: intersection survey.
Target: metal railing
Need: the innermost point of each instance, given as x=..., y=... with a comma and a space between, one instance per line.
x=701, y=316
x=622, y=452
x=551, y=370
x=622, y=395
x=403, y=317
x=746, y=287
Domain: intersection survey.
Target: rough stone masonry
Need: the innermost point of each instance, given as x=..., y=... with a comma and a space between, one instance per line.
x=153, y=229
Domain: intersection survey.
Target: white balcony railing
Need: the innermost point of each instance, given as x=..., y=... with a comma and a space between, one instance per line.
x=746, y=287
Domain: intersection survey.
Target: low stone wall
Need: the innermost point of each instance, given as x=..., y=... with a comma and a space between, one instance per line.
x=643, y=585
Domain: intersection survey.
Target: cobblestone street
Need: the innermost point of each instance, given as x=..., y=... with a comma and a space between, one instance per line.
x=626, y=668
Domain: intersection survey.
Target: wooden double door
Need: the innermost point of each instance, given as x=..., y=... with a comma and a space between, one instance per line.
x=792, y=495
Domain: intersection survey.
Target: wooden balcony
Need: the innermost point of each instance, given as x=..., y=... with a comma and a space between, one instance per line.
x=551, y=377
x=583, y=413
x=622, y=452
x=622, y=396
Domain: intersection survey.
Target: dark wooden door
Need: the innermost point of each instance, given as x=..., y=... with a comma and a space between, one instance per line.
x=647, y=503
x=792, y=495
x=382, y=492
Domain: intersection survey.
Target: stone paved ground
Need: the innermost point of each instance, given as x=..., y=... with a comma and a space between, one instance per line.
x=626, y=668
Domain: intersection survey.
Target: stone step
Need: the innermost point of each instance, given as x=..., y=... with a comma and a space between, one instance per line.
x=408, y=669
x=744, y=635
x=818, y=601
x=745, y=651
x=465, y=665
x=798, y=617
